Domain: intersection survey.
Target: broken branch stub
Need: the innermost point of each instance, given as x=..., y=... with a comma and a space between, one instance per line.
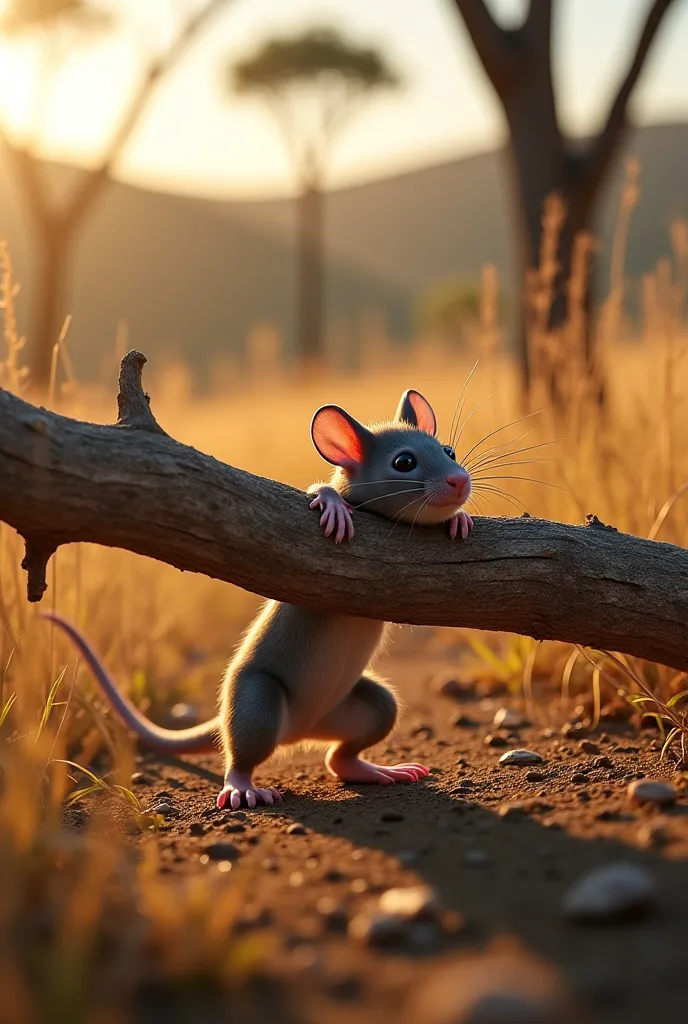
x=63, y=481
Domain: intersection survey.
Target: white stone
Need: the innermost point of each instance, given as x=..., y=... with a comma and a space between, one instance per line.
x=520, y=757
x=651, y=791
x=610, y=891
x=409, y=903
x=508, y=718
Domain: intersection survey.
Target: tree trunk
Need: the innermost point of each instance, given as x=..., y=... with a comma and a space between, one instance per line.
x=49, y=299
x=310, y=271
x=544, y=174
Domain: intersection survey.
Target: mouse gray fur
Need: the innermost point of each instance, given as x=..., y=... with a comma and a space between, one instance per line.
x=301, y=675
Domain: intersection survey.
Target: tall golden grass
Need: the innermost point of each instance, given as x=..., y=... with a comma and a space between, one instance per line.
x=82, y=923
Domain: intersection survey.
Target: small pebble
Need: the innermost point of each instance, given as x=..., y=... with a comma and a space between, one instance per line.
x=297, y=829
x=603, y=762
x=508, y=718
x=407, y=857
x=184, y=715
x=452, y=688
x=462, y=721
x=609, y=892
x=375, y=929
x=138, y=779
x=410, y=903
x=391, y=816
x=579, y=777
x=573, y=729
x=654, y=834
x=511, y=812
x=235, y=826
x=163, y=808
x=520, y=757
x=652, y=791
x=494, y=740
x=475, y=858
x=222, y=851
x=534, y=776
x=197, y=828
x=334, y=913
x=588, y=747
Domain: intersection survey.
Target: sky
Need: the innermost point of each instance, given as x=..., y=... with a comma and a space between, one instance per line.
x=197, y=138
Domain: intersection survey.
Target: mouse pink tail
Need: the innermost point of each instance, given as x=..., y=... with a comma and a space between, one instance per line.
x=198, y=739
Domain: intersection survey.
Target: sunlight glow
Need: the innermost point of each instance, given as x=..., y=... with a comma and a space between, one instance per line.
x=195, y=138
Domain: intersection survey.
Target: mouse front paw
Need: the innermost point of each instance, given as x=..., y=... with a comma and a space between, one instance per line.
x=460, y=525
x=239, y=789
x=336, y=513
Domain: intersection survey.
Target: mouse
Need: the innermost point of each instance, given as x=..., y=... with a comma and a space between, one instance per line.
x=302, y=675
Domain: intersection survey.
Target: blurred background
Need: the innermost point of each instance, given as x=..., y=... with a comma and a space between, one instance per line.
x=242, y=184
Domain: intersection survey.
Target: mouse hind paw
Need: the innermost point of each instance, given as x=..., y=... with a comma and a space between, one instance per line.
x=353, y=769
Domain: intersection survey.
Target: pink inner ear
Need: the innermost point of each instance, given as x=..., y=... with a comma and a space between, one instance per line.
x=425, y=417
x=336, y=439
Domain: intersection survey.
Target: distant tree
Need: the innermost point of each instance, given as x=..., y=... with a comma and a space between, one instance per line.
x=56, y=226
x=448, y=306
x=314, y=83
x=545, y=161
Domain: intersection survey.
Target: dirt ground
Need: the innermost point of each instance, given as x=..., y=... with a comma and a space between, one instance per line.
x=498, y=870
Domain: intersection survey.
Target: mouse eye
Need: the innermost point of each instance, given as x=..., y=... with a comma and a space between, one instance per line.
x=448, y=450
x=405, y=462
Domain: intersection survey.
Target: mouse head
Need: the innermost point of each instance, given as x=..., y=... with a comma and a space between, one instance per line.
x=397, y=469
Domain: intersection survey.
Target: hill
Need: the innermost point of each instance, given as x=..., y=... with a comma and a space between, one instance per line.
x=192, y=276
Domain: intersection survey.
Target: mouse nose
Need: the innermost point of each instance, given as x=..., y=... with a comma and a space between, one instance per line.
x=458, y=480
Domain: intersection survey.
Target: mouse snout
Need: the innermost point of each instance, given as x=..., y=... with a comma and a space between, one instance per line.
x=459, y=482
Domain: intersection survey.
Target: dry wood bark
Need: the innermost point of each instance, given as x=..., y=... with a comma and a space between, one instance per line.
x=131, y=486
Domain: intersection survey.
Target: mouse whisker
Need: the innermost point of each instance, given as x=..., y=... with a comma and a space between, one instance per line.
x=460, y=402
x=536, y=461
x=396, y=518
x=497, y=430
x=423, y=505
x=391, y=494
x=501, y=448
x=486, y=457
x=526, y=479
x=474, y=502
x=485, y=490
x=382, y=480
x=471, y=413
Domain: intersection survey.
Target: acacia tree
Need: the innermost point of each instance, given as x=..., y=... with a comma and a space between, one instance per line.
x=545, y=162
x=56, y=226
x=313, y=83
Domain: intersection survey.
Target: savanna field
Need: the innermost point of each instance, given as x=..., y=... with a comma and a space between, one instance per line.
x=115, y=903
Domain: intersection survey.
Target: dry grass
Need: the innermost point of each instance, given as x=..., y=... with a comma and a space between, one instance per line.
x=82, y=921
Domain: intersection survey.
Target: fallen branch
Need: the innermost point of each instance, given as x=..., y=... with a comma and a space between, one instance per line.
x=131, y=486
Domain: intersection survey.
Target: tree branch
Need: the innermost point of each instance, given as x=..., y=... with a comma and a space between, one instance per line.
x=605, y=144
x=537, y=27
x=63, y=481
x=496, y=47
x=94, y=181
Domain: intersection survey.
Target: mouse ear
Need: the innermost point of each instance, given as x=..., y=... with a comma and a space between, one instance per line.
x=417, y=411
x=338, y=437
